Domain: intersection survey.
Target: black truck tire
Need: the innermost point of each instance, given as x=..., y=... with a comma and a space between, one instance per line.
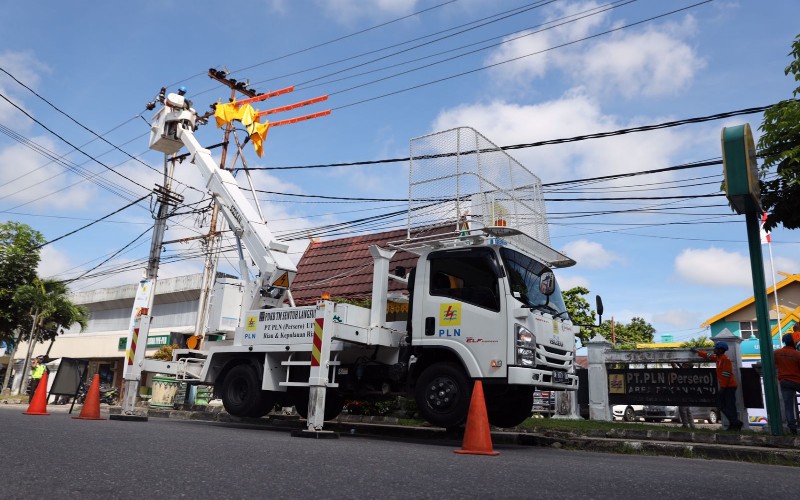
x=443, y=394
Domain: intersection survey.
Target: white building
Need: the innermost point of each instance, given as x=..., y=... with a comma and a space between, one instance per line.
x=174, y=316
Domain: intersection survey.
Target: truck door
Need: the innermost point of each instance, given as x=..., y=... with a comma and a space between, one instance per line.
x=463, y=309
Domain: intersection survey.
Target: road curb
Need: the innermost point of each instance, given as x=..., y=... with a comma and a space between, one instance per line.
x=778, y=450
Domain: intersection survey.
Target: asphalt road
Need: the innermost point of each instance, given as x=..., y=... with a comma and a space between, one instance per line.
x=56, y=456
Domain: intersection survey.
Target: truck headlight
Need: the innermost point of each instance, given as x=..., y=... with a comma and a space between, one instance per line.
x=526, y=345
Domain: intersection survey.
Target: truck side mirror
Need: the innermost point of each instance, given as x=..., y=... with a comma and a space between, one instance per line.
x=547, y=283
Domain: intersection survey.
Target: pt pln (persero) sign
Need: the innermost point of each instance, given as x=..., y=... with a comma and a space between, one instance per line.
x=690, y=386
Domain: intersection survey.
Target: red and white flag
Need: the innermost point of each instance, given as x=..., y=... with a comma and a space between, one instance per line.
x=765, y=237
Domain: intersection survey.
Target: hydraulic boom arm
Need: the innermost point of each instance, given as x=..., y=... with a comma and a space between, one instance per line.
x=173, y=127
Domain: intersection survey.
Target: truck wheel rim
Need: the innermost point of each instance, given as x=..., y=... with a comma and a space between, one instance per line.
x=441, y=394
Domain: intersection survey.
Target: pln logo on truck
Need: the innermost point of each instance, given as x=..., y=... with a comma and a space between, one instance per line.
x=449, y=316
x=251, y=323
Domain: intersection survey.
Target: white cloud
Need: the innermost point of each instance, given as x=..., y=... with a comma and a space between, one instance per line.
x=571, y=281
x=44, y=184
x=348, y=12
x=678, y=318
x=529, y=51
x=574, y=114
x=717, y=267
x=27, y=69
x=713, y=267
x=651, y=63
x=591, y=254
x=53, y=262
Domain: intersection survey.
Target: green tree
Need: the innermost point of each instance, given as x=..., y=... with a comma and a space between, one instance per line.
x=780, y=147
x=580, y=312
x=19, y=257
x=47, y=309
x=701, y=342
x=627, y=336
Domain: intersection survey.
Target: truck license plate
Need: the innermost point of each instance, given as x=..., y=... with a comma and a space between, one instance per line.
x=559, y=377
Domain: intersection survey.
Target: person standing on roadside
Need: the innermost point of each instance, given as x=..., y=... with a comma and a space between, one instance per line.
x=37, y=371
x=796, y=335
x=726, y=381
x=787, y=362
x=685, y=412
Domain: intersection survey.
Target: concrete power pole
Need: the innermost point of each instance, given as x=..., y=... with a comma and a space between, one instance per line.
x=134, y=355
x=212, y=242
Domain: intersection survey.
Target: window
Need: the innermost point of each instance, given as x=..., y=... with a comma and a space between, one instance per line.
x=466, y=275
x=525, y=277
x=748, y=328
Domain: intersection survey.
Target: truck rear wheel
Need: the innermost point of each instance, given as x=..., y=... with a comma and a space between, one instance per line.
x=241, y=391
x=443, y=392
x=511, y=409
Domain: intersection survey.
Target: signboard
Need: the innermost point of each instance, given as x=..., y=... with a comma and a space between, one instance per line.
x=741, y=169
x=69, y=377
x=689, y=387
x=679, y=386
x=280, y=326
x=152, y=341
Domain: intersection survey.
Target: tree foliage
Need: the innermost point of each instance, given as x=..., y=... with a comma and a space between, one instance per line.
x=19, y=257
x=48, y=301
x=628, y=335
x=580, y=311
x=780, y=147
x=701, y=342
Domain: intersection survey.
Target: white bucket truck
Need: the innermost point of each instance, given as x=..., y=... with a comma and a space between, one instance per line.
x=484, y=303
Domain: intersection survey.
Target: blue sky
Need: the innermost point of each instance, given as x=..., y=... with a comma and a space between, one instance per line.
x=99, y=63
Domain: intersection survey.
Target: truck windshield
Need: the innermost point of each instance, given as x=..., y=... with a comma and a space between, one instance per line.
x=524, y=276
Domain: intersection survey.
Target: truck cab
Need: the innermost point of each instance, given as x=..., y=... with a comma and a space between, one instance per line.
x=492, y=313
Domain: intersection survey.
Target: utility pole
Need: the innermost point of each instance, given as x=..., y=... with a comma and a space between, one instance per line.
x=143, y=303
x=212, y=240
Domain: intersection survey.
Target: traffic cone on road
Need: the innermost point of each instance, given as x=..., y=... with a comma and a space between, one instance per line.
x=91, y=405
x=477, y=438
x=38, y=404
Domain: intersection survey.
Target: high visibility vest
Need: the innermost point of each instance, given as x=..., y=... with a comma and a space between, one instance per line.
x=37, y=372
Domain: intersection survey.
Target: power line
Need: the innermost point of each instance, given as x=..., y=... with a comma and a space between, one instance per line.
x=483, y=68
x=93, y=222
x=300, y=51
x=76, y=148
x=549, y=142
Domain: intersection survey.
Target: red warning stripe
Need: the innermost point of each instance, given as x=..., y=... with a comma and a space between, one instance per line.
x=316, y=350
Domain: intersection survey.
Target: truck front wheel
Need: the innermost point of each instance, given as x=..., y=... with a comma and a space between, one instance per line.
x=443, y=392
x=241, y=391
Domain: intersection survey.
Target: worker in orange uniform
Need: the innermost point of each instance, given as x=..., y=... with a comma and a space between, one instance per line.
x=796, y=335
x=787, y=362
x=726, y=396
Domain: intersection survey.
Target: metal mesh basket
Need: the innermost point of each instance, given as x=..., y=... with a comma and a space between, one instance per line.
x=460, y=178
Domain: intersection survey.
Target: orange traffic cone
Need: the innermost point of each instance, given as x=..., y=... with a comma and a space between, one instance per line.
x=38, y=405
x=91, y=405
x=477, y=438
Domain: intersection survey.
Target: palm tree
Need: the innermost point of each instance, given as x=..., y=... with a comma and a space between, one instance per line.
x=50, y=310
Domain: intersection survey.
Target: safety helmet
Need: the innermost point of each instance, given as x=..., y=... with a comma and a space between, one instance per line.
x=183, y=89
x=721, y=345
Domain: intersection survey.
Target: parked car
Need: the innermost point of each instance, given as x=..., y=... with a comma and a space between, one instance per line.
x=544, y=403
x=653, y=413
x=628, y=413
